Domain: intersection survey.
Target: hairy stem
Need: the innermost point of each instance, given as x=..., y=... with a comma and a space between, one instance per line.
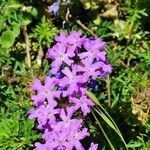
x=85, y=28
x=40, y=56
x=27, y=47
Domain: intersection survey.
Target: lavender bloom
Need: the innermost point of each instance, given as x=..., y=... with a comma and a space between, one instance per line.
x=90, y=69
x=62, y=38
x=68, y=138
x=106, y=68
x=66, y=119
x=44, y=114
x=59, y=54
x=45, y=91
x=74, y=40
x=75, y=136
x=36, y=86
x=40, y=146
x=56, y=139
x=94, y=50
x=84, y=103
x=72, y=79
x=55, y=7
x=93, y=146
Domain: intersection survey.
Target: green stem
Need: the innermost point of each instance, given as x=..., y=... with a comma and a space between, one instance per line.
x=108, y=90
x=111, y=145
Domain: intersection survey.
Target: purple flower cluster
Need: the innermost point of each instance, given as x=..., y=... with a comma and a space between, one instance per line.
x=76, y=62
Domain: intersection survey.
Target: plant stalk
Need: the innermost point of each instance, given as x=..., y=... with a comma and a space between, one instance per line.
x=27, y=47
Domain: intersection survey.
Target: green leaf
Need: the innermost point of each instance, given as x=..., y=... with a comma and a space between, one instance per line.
x=92, y=97
x=104, y=133
x=133, y=145
x=34, y=12
x=16, y=29
x=105, y=116
x=106, y=119
x=24, y=18
x=7, y=39
x=28, y=125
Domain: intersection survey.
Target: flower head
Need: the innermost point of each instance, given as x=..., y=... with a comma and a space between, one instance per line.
x=45, y=91
x=84, y=103
x=72, y=80
x=93, y=146
x=54, y=8
x=76, y=63
x=44, y=115
x=60, y=55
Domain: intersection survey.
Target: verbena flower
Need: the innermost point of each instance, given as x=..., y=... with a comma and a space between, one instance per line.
x=89, y=68
x=66, y=119
x=44, y=114
x=61, y=38
x=74, y=40
x=59, y=54
x=84, y=103
x=93, y=146
x=45, y=92
x=54, y=8
x=72, y=80
x=76, y=63
x=39, y=146
x=94, y=50
x=68, y=137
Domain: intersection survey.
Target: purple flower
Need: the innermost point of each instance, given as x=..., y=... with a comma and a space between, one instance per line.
x=71, y=79
x=66, y=119
x=36, y=86
x=62, y=38
x=93, y=44
x=75, y=136
x=93, y=146
x=67, y=137
x=55, y=7
x=74, y=39
x=45, y=91
x=90, y=69
x=106, y=68
x=56, y=139
x=84, y=103
x=40, y=146
x=59, y=54
x=44, y=114
x=94, y=50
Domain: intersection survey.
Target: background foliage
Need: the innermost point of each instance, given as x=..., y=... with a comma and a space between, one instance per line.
x=27, y=30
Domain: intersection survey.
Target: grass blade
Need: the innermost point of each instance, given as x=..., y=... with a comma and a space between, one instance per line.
x=110, y=144
x=106, y=117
